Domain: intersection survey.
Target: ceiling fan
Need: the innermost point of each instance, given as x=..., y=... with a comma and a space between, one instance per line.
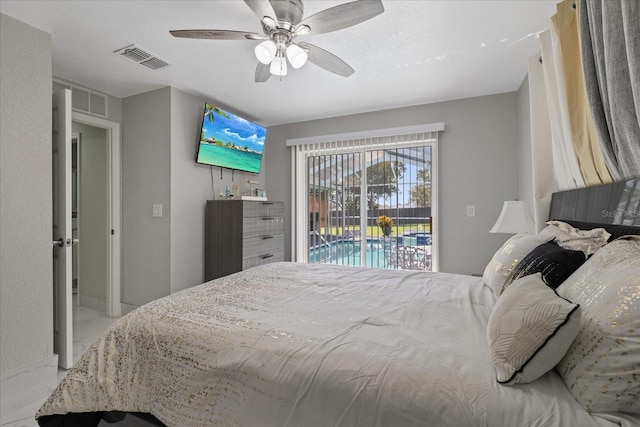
x=282, y=22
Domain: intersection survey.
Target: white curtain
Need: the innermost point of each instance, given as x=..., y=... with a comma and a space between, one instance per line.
x=541, y=152
x=565, y=163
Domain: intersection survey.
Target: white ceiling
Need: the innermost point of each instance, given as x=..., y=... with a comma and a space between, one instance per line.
x=416, y=52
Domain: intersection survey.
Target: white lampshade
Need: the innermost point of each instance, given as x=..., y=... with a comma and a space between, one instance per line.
x=279, y=66
x=266, y=51
x=514, y=218
x=296, y=55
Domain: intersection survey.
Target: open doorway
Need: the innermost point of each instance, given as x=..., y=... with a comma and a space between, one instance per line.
x=66, y=206
x=90, y=207
x=95, y=177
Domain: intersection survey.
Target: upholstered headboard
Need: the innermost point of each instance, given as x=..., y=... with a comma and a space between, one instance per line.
x=614, y=207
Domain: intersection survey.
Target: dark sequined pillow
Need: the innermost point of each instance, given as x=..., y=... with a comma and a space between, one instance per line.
x=555, y=263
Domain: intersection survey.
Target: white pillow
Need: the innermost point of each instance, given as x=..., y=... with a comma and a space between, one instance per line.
x=508, y=256
x=529, y=330
x=602, y=367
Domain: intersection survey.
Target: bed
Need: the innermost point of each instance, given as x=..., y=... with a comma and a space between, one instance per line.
x=289, y=344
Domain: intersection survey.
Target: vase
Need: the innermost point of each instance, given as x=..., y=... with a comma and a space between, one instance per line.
x=386, y=231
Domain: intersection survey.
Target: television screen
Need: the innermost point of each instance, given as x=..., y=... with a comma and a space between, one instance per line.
x=229, y=141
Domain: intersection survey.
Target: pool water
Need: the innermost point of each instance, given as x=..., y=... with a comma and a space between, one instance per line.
x=349, y=252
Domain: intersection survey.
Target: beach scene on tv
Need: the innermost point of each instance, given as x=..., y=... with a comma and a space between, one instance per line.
x=230, y=141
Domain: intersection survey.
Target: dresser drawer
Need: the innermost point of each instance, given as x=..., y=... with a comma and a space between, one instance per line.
x=263, y=245
x=262, y=259
x=262, y=226
x=262, y=209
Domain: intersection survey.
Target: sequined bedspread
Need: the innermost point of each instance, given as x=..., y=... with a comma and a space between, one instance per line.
x=290, y=344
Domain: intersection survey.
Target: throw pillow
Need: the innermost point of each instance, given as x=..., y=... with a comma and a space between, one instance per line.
x=507, y=257
x=529, y=330
x=555, y=264
x=602, y=367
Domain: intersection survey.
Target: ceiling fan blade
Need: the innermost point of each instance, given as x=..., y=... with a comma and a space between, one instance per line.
x=262, y=73
x=216, y=34
x=327, y=60
x=342, y=16
x=263, y=8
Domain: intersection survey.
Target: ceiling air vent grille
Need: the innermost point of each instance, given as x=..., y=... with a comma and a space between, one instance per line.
x=154, y=63
x=142, y=57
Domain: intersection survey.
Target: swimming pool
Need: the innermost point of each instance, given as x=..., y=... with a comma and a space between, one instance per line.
x=349, y=252
x=407, y=252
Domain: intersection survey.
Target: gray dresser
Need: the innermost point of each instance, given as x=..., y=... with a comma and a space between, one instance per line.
x=241, y=234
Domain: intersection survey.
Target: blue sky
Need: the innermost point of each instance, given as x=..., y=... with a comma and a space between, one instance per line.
x=237, y=130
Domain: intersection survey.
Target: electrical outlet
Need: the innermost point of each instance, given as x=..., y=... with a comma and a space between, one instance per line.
x=157, y=211
x=471, y=210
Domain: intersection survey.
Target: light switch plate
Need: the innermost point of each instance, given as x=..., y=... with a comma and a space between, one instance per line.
x=157, y=211
x=471, y=210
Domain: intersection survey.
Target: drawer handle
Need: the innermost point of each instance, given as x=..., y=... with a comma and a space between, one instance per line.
x=267, y=218
x=266, y=256
x=267, y=203
x=266, y=237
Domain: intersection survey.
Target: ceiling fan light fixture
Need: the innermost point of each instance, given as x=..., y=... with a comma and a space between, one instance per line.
x=266, y=51
x=296, y=55
x=279, y=66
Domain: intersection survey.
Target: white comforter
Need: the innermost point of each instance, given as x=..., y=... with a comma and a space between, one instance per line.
x=313, y=345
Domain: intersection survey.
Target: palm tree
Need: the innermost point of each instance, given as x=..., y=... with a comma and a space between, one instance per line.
x=210, y=109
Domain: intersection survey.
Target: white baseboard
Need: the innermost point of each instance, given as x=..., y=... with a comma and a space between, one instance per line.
x=127, y=308
x=24, y=390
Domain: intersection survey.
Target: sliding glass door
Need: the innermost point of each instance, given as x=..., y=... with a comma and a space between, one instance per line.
x=371, y=204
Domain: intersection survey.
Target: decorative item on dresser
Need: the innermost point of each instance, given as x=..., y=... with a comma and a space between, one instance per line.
x=241, y=234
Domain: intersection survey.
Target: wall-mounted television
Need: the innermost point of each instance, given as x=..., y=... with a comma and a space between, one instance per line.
x=229, y=141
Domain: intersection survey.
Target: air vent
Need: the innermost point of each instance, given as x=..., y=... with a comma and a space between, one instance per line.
x=154, y=63
x=83, y=99
x=142, y=57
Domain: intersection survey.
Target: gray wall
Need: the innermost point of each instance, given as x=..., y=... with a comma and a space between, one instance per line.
x=190, y=189
x=92, y=212
x=26, y=268
x=160, y=134
x=146, y=180
x=478, y=165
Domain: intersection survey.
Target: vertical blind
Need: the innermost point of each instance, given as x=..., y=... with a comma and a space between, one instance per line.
x=341, y=188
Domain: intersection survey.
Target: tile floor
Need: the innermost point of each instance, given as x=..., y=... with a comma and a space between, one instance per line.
x=88, y=325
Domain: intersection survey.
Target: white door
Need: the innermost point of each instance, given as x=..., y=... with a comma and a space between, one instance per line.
x=62, y=230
